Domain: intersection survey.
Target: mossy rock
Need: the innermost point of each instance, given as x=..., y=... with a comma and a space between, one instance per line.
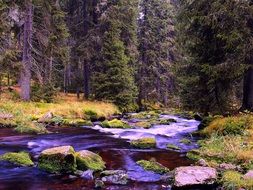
x=89, y=160
x=20, y=159
x=173, y=147
x=166, y=121
x=58, y=160
x=153, y=166
x=144, y=143
x=115, y=123
x=145, y=115
x=144, y=124
x=77, y=122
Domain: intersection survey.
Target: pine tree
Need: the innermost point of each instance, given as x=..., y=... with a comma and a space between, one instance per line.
x=215, y=43
x=156, y=51
x=113, y=79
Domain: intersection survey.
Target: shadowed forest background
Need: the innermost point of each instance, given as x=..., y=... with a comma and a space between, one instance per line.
x=136, y=54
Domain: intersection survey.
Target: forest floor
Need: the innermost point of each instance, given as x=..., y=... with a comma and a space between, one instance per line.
x=67, y=109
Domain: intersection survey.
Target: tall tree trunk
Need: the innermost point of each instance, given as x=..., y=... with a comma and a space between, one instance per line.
x=247, y=103
x=25, y=78
x=85, y=63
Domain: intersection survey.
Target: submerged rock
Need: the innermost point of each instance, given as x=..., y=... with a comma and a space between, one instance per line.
x=58, y=160
x=144, y=143
x=99, y=184
x=88, y=175
x=153, y=166
x=115, y=177
x=194, y=175
x=89, y=160
x=20, y=159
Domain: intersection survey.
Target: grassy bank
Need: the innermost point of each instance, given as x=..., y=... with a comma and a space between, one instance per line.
x=67, y=108
x=228, y=140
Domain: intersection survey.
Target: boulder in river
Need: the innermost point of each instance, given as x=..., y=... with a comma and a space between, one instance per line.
x=20, y=158
x=115, y=123
x=115, y=177
x=194, y=175
x=144, y=143
x=58, y=160
x=89, y=160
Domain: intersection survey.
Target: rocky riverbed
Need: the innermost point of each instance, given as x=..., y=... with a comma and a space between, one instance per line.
x=113, y=145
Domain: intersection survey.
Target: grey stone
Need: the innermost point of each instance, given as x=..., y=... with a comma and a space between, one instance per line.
x=194, y=175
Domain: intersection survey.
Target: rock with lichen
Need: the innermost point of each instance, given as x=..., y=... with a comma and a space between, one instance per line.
x=194, y=175
x=115, y=177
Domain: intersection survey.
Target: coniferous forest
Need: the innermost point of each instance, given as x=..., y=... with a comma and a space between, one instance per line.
x=126, y=94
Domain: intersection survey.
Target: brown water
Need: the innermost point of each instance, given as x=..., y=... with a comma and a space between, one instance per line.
x=116, y=152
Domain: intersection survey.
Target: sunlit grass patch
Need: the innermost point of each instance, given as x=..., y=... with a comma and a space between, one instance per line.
x=232, y=180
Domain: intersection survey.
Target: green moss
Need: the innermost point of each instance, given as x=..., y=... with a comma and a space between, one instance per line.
x=166, y=121
x=55, y=161
x=21, y=158
x=193, y=155
x=185, y=141
x=153, y=166
x=144, y=143
x=232, y=180
x=146, y=115
x=88, y=160
x=172, y=146
x=90, y=114
x=144, y=124
x=115, y=123
x=30, y=127
x=77, y=122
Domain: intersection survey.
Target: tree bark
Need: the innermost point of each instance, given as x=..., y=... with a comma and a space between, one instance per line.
x=85, y=63
x=25, y=78
x=247, y=103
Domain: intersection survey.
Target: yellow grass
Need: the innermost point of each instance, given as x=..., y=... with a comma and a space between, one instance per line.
x=66, y=106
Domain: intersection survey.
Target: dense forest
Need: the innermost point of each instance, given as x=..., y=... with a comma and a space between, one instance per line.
x=126, y=94
x=132, y=53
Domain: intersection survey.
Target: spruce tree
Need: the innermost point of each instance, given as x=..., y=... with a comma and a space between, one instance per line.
x=113, y=78
x=156, y=51
x=215, y=45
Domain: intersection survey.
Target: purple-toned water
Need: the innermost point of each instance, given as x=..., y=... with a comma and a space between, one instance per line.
x=112, y=144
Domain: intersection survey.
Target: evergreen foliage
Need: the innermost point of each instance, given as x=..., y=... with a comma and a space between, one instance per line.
x=215, y=43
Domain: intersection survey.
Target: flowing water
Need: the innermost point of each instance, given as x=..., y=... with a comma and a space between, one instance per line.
x=112, y=144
